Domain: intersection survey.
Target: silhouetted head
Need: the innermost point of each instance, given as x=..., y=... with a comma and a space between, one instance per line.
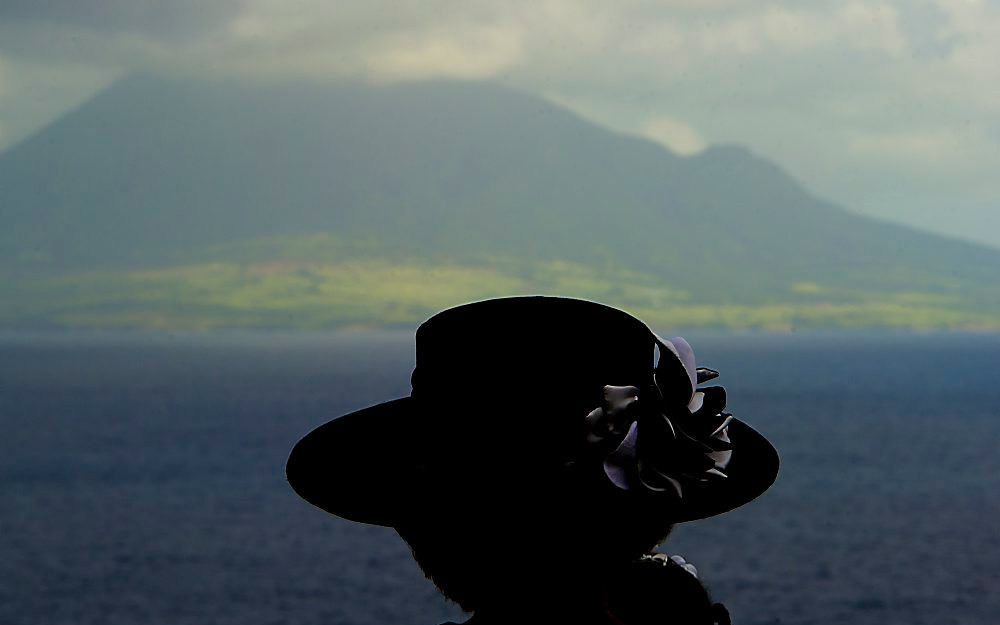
x=546, y=444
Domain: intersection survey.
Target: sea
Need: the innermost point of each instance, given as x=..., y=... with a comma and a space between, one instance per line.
x=141, y=481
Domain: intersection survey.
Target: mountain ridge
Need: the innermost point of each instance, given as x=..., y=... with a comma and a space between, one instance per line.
x=156, y=172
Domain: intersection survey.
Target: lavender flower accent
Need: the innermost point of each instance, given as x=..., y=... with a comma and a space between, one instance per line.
x=672, y=434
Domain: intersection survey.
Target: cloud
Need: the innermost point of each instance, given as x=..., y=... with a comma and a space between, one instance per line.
x=471, y=53
x=676, y=135
x=944, y=162
x=933, y=147
x=774, y=29
x=180, y=19
x=558, y=39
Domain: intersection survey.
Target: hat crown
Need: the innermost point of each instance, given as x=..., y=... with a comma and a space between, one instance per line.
x=537, y=338
x=538, y=362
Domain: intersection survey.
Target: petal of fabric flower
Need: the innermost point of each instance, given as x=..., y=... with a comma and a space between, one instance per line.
x=657, y=481
x=717, y=444
x=722, y=458
x=613, y=415
x=725, y=424
x=696, y=402
x=686, y=353
x=672, y=378
x=713, y=402
x=705, y=374
x=617, y=463
x=597, y=425
x=619, y=399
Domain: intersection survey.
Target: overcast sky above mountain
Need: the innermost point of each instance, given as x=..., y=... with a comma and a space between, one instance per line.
x=891, y=108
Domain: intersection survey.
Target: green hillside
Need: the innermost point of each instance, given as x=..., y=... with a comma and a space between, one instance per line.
x=310, y=283
x=170, y=203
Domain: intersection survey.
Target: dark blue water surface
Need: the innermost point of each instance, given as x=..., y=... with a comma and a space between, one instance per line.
x=141, y=481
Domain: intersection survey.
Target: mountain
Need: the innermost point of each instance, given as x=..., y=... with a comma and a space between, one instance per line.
x=289, y=204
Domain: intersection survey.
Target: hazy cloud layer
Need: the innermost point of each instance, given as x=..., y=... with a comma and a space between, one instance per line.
x=891, y=107
x=173, y=19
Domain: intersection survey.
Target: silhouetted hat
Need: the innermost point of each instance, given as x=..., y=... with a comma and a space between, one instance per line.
x=520, y=387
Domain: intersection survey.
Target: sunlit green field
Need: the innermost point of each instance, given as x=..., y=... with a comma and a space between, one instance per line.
x=295, y=293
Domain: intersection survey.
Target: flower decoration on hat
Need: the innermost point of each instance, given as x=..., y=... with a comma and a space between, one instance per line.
x=668, y=435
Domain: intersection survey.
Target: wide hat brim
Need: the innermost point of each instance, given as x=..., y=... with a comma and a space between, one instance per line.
x=363, y=467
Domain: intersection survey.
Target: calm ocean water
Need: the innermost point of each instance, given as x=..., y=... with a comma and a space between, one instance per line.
x=141, y=482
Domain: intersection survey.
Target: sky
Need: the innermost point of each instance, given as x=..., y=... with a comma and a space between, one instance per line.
x=888, y=108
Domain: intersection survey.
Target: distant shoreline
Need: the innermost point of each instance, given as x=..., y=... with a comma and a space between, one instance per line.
x=77, y=336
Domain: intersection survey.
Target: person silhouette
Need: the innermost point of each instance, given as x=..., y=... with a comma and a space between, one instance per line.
x=547, y=447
